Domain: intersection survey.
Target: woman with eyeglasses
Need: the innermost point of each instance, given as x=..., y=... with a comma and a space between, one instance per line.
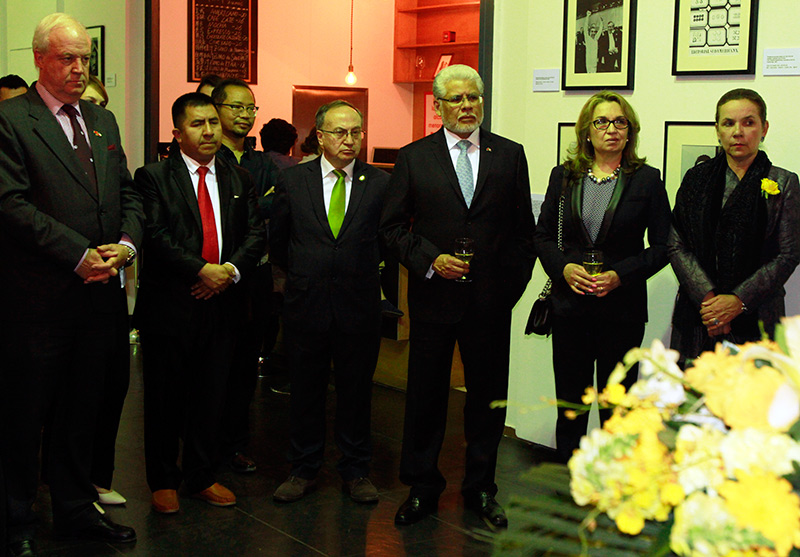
x=736, y=235
x=610, y=200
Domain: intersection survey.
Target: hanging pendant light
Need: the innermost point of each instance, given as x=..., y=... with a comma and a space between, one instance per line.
x=351, y=78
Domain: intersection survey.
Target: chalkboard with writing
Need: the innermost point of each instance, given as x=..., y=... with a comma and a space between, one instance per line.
x=223, y=39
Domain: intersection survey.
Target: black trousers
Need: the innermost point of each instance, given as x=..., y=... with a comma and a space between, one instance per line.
x=484, y=346
x=184, y=389
x=354, y=357
x=57, y=368
x=577, y=345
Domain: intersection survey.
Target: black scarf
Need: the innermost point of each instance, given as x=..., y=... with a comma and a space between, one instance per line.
x=726, y=240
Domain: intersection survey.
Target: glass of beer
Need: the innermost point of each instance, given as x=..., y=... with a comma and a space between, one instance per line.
x=464, y=249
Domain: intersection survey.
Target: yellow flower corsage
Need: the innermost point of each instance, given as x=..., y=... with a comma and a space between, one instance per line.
x=769, y=187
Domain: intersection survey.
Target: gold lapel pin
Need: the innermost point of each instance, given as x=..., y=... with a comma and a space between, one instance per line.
x=362, y=178
x=488, y=149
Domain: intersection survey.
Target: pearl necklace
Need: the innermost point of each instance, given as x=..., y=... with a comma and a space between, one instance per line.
x=600, y=181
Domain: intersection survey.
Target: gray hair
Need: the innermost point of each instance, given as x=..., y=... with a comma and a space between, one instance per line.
x=41, y=36
x=454, y=72
x=319, y=118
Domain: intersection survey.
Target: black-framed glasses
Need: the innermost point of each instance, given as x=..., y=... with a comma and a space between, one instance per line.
x=458, y=99
x=339, y=135
x=603, y=123
x=238, y=108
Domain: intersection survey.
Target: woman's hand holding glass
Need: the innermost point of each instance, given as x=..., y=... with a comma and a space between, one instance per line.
x=583, y=283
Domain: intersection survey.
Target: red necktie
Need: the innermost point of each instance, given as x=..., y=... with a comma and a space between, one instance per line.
x=81, y=145
x=210, y=243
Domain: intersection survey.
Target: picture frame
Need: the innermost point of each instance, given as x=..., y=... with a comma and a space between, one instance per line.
x=685, y=145
x=97, y=61
x=606, y=61
x=711, y=37
x=566, y=138
x=444, y=61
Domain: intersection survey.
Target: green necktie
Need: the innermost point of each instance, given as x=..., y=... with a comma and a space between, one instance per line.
x=336, y=209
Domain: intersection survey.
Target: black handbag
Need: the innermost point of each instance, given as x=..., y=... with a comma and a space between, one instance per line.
x=540, y=321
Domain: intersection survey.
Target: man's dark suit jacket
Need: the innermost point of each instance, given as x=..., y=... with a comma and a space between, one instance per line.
x=424, y=189
x=49, y=214
x=639, y=203
x=331, y=281
x=173, y=242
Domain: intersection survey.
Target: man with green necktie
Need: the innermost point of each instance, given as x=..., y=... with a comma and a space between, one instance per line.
x=324, y=234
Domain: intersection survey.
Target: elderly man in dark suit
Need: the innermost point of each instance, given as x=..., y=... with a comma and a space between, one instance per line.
x=70, y=219
x=324, y=234
x=203, y=235
x=460, y=182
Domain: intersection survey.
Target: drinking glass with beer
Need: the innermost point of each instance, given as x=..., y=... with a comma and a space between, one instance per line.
x=464, y=249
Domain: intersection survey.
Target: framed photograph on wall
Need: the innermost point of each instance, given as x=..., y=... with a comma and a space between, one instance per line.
x=97, y=61
x=566, y=138
x=714, y=37
x=598, y=44
x=686, y=144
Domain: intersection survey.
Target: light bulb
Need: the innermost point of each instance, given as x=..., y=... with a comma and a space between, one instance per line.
x=350, y=78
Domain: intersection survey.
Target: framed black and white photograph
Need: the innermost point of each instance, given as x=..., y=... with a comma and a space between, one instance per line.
x=714, y=37
x=566, y=139
x=686, y=144
x=598, y=46
x=97, y=61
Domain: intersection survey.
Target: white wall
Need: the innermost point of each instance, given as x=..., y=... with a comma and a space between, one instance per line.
x=528, y=36
x=304, y=43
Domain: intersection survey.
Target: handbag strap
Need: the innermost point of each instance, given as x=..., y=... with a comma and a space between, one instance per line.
x=548, y=286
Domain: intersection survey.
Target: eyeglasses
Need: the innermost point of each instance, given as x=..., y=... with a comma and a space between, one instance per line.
x=238, y=108
x=339, y=135
x=603, y=123
x=458, y=99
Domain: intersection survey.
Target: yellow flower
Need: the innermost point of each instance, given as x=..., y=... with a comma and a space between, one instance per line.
x=589, y=396
x=766, y=504
x=615, y=393
x=769, y=187
x=629, y=521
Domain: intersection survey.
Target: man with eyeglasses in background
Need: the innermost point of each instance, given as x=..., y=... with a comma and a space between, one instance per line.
x=324, y=234
x=237, y=111
x=460, y=182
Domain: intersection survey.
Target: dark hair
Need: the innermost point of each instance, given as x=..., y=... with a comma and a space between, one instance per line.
x=310, y=145
x=323, y=110
x=210, y=80
x=746, y=94
x=12, y=81
x=581, y=155
x=278, y=135
x=185, y=101
x=220, y=94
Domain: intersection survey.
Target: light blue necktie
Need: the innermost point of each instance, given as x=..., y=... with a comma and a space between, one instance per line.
x=464, y=172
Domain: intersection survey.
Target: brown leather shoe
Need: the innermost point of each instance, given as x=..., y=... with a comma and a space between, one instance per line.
x=217, y=495
x=242, y=464
x=361, y=490
x=165, y=501
x=293, y=489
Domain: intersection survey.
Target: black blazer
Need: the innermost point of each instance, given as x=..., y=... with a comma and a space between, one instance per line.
x=173, y=244
x=50, y=214
x=331, y=282
x=639, y=203
x=425, y=211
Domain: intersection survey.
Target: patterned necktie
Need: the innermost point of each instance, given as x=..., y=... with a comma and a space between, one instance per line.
x=210, y=242
x=336, y=209
x=464, y=172
x=81, y=145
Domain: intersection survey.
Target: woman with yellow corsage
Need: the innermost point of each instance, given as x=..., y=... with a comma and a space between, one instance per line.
x=735, y=238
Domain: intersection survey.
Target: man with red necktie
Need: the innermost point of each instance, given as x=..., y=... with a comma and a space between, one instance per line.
x=202, y=234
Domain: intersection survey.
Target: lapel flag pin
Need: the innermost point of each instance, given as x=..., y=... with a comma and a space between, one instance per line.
x=97, y=133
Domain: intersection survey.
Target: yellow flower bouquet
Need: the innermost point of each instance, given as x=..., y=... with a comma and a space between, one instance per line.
x=704, y=462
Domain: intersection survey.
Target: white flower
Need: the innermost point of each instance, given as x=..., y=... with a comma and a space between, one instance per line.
x=753, y=449
x=785, y=408
x=660, y=376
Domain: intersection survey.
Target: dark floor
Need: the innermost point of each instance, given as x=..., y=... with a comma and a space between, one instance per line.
x=326, y=522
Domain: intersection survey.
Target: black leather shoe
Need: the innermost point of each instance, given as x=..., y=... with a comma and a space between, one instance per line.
x=22, y=548
x=413, y=510
x=105, y=530
x=487, y=508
